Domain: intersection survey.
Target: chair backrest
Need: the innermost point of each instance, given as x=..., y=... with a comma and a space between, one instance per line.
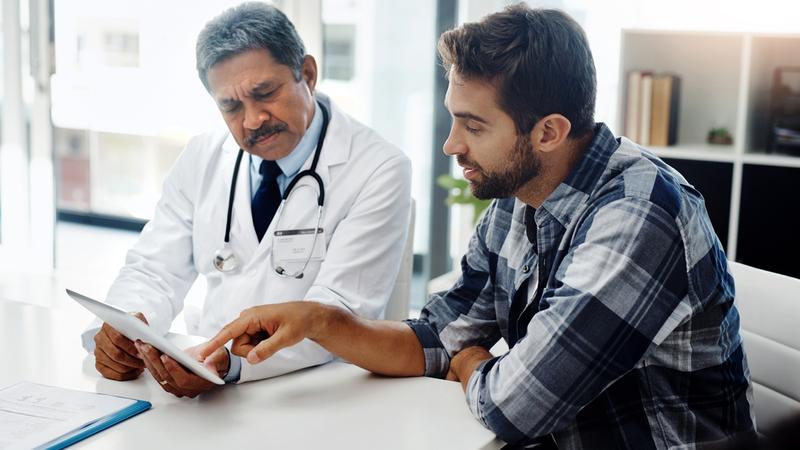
x=769, y=305
x=397, y=308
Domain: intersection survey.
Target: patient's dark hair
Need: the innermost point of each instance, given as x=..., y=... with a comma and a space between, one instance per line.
x=538, y=60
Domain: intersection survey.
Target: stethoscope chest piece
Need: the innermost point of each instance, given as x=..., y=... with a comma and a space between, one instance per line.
x=224, y=259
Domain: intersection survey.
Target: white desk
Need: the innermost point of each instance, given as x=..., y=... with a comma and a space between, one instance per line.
x=333, y=406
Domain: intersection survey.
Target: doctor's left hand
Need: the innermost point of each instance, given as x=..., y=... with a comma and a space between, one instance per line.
x=176, y=380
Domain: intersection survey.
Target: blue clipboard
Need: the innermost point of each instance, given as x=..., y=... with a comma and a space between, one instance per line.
x=97, y=426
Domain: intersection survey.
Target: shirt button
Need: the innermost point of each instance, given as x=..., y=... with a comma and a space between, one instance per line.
x=525, y=268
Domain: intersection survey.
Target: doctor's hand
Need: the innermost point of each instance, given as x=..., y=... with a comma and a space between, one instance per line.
x=116, y=357
x=261, y=331
x=174, y=378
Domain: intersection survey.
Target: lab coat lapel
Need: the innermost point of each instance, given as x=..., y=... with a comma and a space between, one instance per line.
x=336, y=148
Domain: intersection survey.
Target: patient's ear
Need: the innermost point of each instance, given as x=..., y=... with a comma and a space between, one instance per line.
x=550, y=133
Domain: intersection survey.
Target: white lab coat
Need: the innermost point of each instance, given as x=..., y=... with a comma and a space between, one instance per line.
x=367, y=201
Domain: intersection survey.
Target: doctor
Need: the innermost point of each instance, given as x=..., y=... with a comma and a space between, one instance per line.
x=294, y=200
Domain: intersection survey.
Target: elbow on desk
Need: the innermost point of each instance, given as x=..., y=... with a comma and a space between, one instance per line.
x=526, y=425
x=503, y=427
x=496, y=421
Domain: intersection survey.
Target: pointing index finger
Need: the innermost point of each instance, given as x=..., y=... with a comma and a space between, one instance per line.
x=230, y=331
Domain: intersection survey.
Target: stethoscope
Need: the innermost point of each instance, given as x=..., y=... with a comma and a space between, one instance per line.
x=226, y=261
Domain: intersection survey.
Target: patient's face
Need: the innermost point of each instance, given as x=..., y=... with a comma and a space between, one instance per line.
x=266, y=109
x=497, y=161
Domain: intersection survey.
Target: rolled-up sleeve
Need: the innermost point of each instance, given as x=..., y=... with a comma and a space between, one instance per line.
x=437, y=361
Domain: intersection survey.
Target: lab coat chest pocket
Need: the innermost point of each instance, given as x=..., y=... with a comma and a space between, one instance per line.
x=300, y=209
x=298, y=235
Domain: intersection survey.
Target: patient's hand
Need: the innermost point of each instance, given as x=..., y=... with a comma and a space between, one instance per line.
x=464, y=363
x=261, y=331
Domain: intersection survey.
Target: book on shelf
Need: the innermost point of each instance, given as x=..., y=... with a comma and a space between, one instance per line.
x=664, y=123
x=633, y=97
x=645, y=112
x=652, y=105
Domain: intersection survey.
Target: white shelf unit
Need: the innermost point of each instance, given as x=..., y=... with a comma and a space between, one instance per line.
x=726, y=80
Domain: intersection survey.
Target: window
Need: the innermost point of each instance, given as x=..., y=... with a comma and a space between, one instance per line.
x=386, y=82
x=125, y=100
x=121, y=48
x=338, y=51
x=71, y=148
x=97, y=46
x=379, y=59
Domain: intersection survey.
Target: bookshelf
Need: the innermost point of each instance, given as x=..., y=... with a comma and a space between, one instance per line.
x=753, y=196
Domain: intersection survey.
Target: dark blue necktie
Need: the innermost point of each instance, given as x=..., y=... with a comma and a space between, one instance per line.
x=267, y=198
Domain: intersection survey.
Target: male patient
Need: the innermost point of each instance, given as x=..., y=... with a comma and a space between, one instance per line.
x=596, y=262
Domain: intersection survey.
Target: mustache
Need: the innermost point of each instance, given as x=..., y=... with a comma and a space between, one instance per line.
x=264, y=130
x=464, y=162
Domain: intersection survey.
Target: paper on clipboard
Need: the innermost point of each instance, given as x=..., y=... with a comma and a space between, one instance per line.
x=34, y=415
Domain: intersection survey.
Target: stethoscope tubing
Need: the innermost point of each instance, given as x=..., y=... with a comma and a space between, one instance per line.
x=232, y=195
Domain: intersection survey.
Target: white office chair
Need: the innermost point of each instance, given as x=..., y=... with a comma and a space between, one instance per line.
x=397, y=308
x=769, y=305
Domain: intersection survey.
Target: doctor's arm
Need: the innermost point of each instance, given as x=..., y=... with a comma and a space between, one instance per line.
x=157, y=274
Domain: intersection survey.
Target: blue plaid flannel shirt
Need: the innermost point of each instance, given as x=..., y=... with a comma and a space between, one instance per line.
x=626, y=335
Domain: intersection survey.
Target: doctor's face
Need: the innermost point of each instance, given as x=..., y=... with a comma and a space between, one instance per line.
x=266, y=109
x=496, y=161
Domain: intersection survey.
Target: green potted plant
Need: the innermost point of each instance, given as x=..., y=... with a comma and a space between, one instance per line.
x=460, y=194
x=719, y=136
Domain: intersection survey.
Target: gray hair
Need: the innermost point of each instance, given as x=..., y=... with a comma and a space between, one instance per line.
x=252, y=25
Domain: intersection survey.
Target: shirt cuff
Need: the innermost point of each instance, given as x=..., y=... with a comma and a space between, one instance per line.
x=87, y=339
x=235, y=369
x=475, y=391
x=437, y=360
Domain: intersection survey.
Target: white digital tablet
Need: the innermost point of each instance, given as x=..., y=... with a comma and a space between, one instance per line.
x=134, y=329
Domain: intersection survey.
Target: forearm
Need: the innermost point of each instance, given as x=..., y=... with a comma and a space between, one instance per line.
x=380, y=346
x=306, y=353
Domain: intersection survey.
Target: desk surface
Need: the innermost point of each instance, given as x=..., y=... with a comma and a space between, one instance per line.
x=333, y=406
